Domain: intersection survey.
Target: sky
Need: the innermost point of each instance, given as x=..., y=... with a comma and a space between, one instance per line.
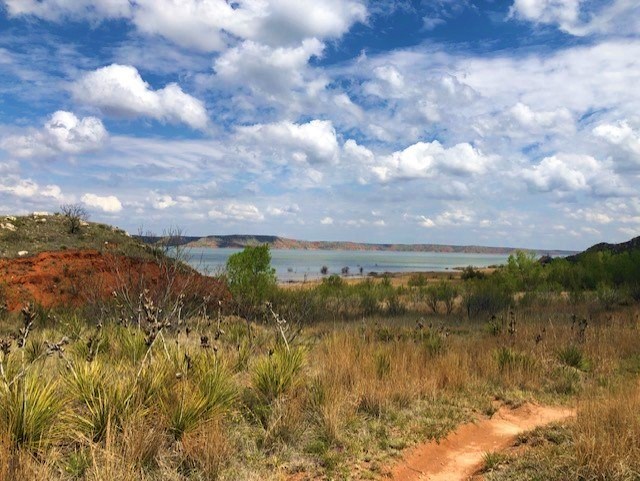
x=489, y=122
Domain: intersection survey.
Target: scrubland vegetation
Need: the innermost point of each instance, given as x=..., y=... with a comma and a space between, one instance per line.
x=332, y=381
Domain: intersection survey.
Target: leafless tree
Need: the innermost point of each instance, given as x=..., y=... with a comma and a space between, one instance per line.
x=75, y=215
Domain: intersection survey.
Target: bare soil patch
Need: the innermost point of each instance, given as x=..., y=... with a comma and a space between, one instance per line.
x=460, y=455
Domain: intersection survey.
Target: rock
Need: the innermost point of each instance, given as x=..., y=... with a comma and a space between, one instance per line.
x=41, y=219
x=8, y=226
x=41, y=214
x=22, y=253
x=11, y=218
x=83, y=223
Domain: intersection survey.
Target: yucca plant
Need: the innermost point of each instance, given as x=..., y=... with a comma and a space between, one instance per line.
x=275, y=375
x=105, y=399
x=573, y=356
x=29, y=407
x=186, y=408
x=217, y=387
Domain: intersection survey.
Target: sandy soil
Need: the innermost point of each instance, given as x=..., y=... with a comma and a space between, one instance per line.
x=460, y=455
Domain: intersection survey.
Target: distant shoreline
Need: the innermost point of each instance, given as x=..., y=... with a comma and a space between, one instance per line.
x=275, y=242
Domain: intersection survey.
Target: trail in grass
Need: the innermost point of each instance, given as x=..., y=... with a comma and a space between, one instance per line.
x=460, y=455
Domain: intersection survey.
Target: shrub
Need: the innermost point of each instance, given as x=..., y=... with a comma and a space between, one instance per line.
x=488, y=298
x=251, y=278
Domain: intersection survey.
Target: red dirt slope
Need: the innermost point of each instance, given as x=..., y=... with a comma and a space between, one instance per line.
x=75, y=277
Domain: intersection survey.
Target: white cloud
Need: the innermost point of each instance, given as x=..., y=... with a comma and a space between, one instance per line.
x=203, y=24
x=109, y=203
x=236, y=211
x=27, y=188
x=570, y=173
x=267, y=70
x=327, y=221
x=210, y=25
x=624, y=143
x=57, y=10
x=426, y=222
x=314, y=142
x=550, y=120
x=62, y=133
x=162, y=201
x=425, y=160
x=582, y=17
x=120, y=90
x=288, y=210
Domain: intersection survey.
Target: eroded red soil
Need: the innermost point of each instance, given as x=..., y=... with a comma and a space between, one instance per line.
x=75, y=277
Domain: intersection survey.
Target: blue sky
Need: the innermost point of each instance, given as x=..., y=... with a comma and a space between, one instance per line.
x=505, y=122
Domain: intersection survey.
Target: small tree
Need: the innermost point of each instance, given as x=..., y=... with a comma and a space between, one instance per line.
x=75, y=215
x=251, y=278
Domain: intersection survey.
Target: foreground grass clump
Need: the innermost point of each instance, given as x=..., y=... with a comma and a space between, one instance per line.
x=195, y=398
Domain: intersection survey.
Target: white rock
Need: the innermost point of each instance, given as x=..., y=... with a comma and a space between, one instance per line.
x=11, y=218
x=42, y=219
x=83, y=223
x=40, y=214
x=8, y=226
x=22, y=253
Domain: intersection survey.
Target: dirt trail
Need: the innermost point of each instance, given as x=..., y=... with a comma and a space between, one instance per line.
x=460, y=455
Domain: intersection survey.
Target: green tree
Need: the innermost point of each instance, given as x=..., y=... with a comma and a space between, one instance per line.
x=251, y=278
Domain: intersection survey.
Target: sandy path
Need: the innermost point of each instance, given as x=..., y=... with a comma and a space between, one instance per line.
x=460, y=455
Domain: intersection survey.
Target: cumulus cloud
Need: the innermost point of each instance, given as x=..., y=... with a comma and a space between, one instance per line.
x=428, y=159
x=550, y=120
x=624, y=142
x=581, y=17
x=264, y=69
x=202, y=24
x=571, y=173
x=108, y=203
x=314, y=142
x=211, y=25
x=120, y=90
x=27, y=188
x=162, y=201
x=327, y=221
x=236, y=211
x=63, y=133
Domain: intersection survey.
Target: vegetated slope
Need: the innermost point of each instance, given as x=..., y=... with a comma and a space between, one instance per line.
x=627, y=246
x=45, y=233
x=275, y=242
x=40, y=261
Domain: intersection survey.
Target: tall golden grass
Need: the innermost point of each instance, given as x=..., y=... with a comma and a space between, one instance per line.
x=105, y=405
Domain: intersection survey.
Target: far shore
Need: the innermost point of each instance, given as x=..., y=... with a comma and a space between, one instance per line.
x=396, y=278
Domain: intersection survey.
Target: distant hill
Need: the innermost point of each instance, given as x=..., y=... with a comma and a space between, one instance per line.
x=629, y=245
x=275, y=242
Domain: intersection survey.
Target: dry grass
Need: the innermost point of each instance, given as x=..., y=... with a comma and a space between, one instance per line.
x=342, y=402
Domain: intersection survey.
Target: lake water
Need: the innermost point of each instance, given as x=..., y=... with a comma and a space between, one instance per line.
x=296, y=265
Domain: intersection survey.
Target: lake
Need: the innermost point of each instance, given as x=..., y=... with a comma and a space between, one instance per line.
x=296, y=265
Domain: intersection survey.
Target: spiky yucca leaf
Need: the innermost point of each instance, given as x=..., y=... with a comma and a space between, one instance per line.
x=28, y=411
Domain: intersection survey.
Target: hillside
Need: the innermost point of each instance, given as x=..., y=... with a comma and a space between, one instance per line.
x=40, y=232
x=627, y=246
x=42, y=262
x=275, y=242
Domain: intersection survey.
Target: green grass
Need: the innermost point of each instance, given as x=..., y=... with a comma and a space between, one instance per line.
x=36, y=234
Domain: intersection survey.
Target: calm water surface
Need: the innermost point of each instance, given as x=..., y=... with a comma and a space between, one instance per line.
x=300, y=264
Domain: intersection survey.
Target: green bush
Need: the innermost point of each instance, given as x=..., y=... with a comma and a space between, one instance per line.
x=251, y=278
